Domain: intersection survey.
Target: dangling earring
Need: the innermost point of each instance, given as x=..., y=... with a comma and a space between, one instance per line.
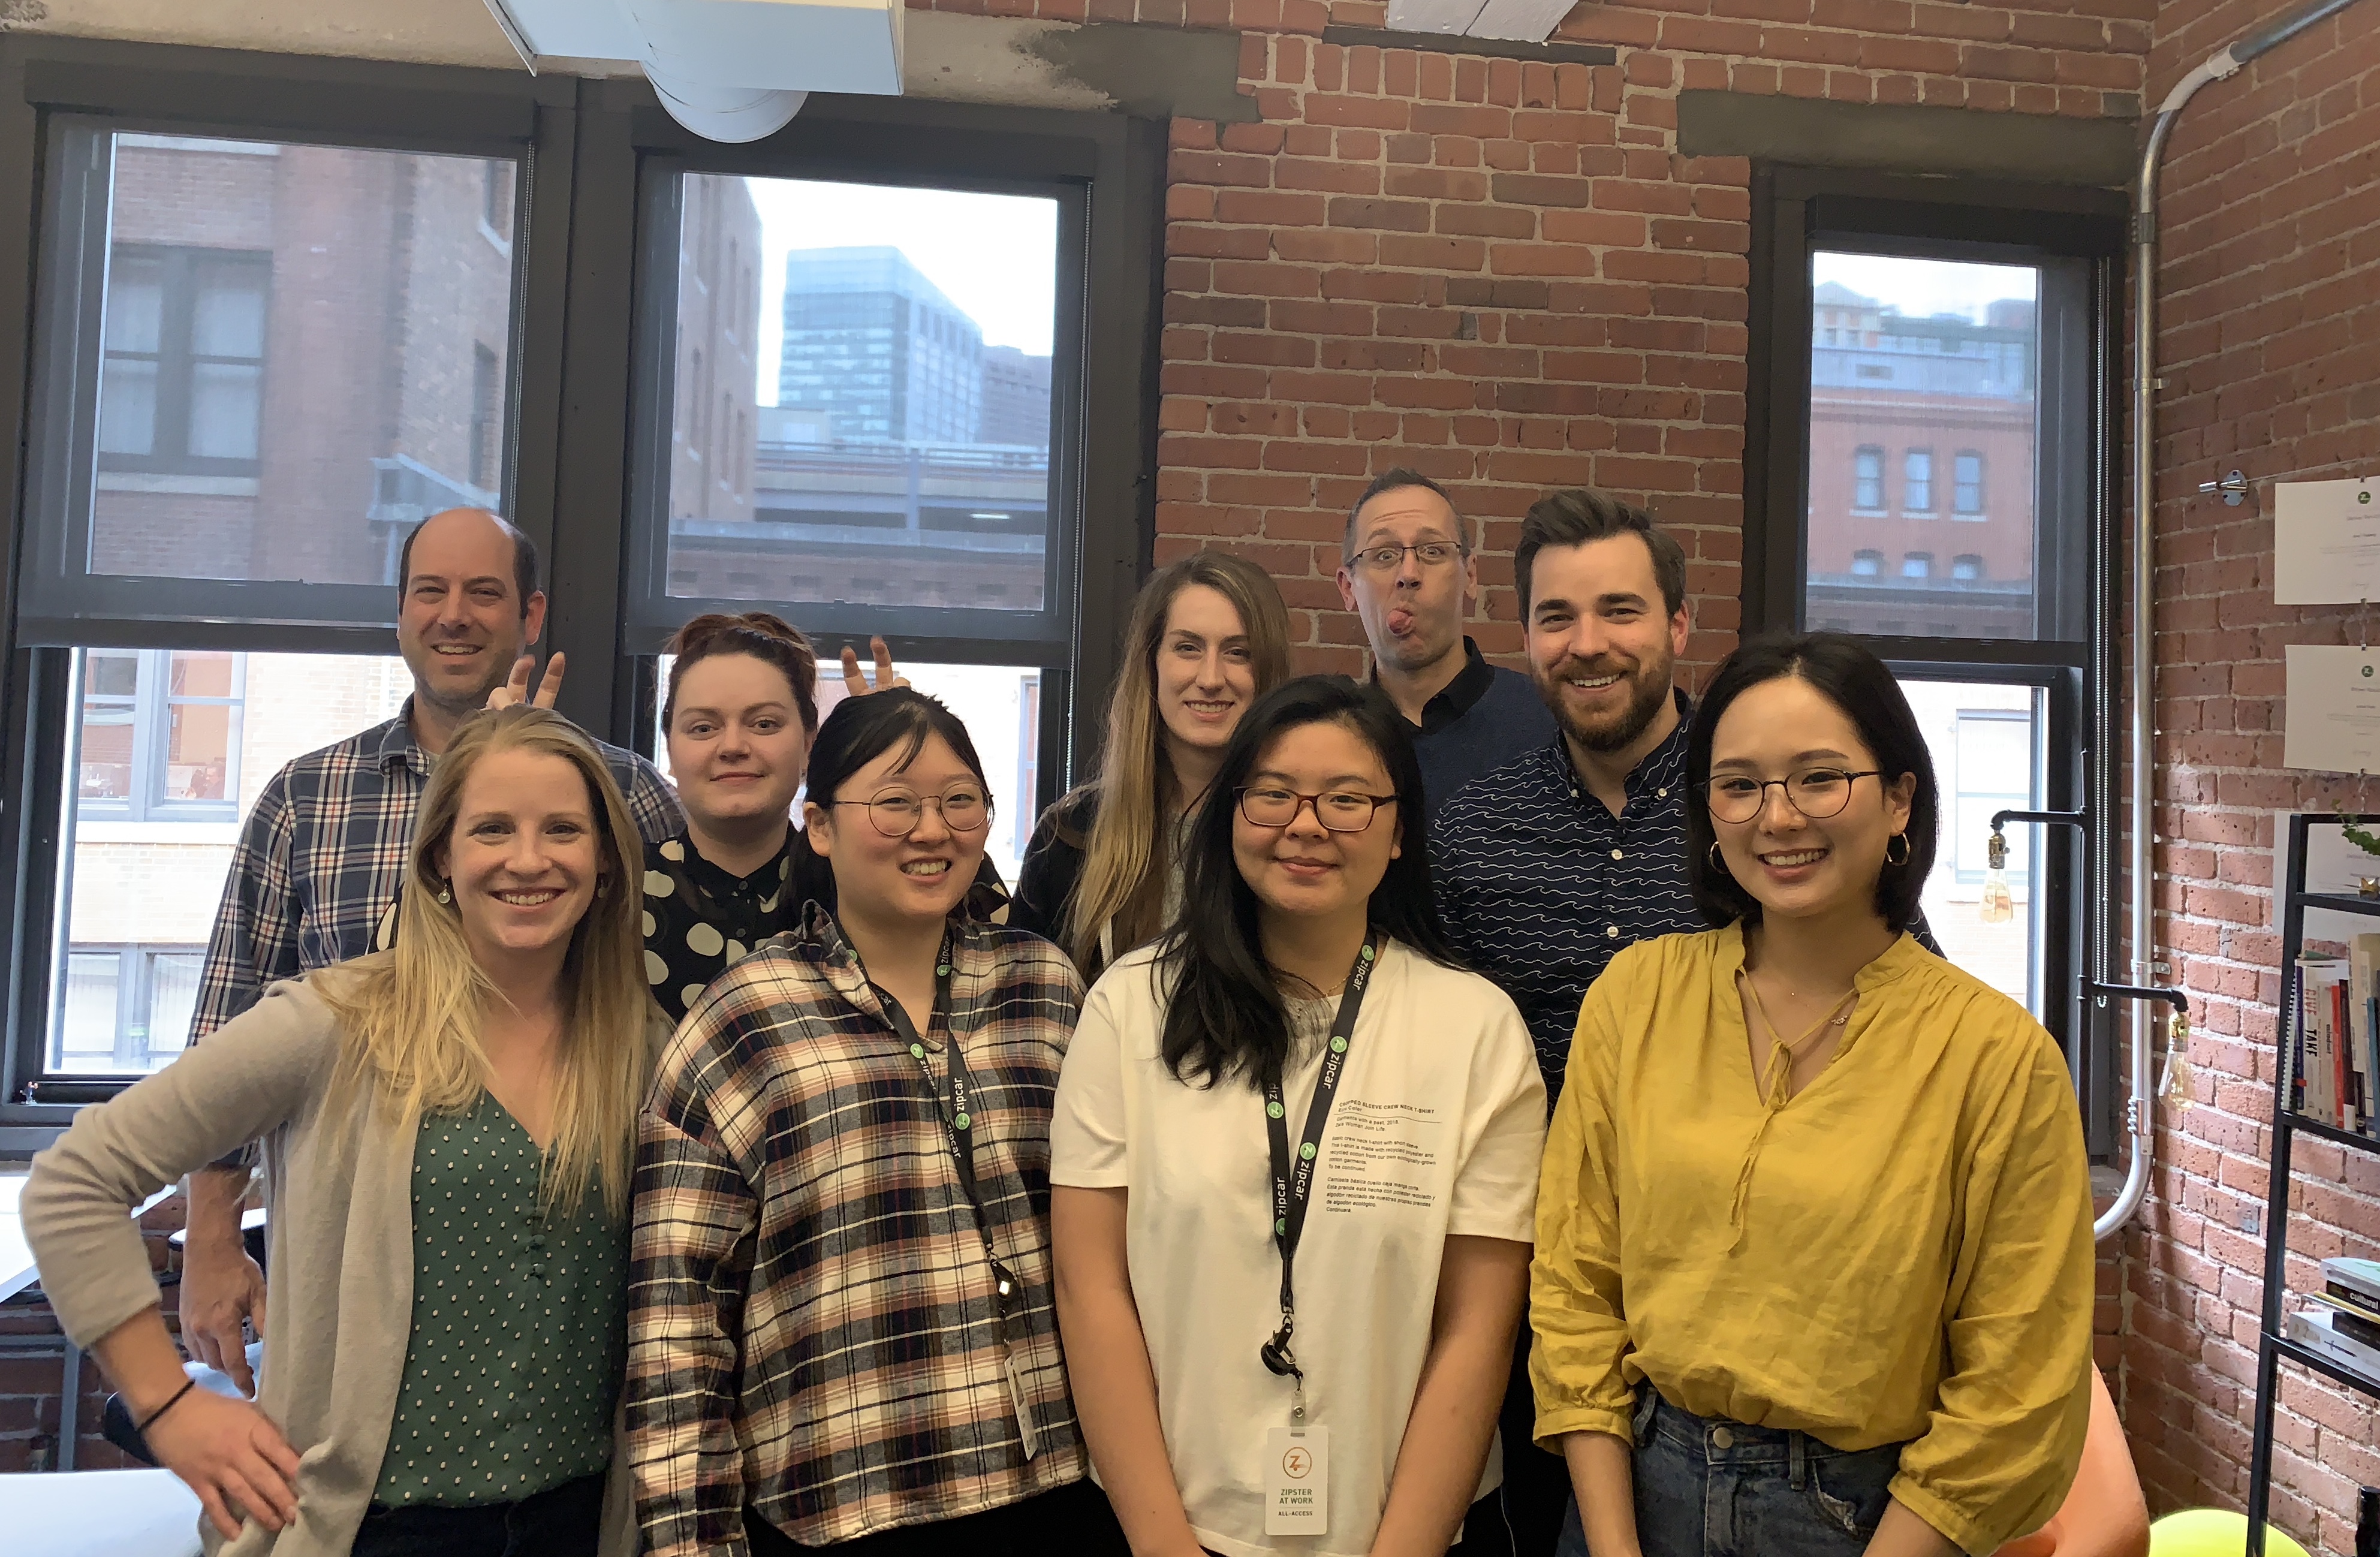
x=446, y=891
x=1902, y=839
x=603, y=885
x=1714, y=858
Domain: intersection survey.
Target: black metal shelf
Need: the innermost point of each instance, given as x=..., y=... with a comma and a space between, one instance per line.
x=2289, y=1123
x=2337, y=902
x=2298, y=1351
x=2311, y=1127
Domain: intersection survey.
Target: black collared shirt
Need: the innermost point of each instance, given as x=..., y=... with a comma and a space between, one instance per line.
x=1481, y=720
x=1459, y=696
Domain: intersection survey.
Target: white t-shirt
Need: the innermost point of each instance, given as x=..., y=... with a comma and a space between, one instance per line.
x=1436, y=1129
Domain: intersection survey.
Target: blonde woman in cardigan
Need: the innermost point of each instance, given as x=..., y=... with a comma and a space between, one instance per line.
x=447, y=1134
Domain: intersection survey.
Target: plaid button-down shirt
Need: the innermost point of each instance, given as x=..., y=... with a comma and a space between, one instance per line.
x=315, y=874
x=811, y=1328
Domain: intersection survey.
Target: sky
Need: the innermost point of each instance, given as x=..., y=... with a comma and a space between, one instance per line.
x=995, y=256
x=1922, y=288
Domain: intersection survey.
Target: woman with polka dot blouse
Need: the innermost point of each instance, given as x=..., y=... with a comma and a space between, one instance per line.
x=741, y=712
x=447, y=1130
x=842, y=1332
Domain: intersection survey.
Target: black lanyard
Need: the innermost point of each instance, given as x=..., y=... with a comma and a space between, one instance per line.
x=953, y=1102
x=1292, y=1178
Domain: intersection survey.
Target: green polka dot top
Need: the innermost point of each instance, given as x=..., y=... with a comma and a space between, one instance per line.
x=519, y=1324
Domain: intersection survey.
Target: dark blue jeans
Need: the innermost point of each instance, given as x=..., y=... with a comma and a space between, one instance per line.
x=1709, y=1487
x=562, y=1521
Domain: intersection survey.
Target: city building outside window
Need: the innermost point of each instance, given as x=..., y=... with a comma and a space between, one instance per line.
x=1866, y=564
x=1917, y=565
x=1966, y=564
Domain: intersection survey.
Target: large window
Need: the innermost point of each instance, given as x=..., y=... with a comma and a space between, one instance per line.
x=262, y=360
x=1916, y=340
x=887, y=370
x=863, y=400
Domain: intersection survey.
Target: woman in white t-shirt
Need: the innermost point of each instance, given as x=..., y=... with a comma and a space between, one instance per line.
x=1295, y=1081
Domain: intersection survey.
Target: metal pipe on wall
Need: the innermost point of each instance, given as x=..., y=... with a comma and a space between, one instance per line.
x=2139, y=1118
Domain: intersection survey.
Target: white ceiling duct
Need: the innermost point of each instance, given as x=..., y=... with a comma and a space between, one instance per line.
x=726, y=69
x=1531, y=21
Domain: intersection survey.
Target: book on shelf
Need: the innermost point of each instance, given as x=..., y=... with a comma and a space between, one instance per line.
x=2333, y=1054
x=2317, y=1329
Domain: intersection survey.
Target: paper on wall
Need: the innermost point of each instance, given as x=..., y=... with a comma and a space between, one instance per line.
x=2331, y=712
x=2326, y=543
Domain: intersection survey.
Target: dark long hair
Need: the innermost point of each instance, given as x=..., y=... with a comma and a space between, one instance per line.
x=859, y=731
x=1225, y=1016
x=1855, y=681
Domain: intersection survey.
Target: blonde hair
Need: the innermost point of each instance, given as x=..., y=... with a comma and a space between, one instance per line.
x=411, y=1016
x=1131, y=845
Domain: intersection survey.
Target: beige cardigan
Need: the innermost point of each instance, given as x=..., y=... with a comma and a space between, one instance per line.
x=339, y=1307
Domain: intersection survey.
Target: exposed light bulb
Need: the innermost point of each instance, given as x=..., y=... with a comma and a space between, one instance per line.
x=1998, y=904
x=2175, y=1090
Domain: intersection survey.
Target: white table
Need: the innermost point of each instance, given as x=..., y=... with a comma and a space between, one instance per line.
x=17, y=1271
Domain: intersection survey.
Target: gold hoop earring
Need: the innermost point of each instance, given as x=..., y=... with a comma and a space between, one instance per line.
x=1902, y=839
x=1715, y=864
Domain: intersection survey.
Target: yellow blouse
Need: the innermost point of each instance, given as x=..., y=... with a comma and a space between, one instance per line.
x=1910, y=1257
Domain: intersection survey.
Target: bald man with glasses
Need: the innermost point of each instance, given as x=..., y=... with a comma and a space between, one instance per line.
x=1408, y=571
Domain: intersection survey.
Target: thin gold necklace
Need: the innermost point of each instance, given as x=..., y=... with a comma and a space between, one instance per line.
x=1773, y=1084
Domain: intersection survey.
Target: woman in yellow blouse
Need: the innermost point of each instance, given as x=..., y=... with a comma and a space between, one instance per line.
x=1813, y=1266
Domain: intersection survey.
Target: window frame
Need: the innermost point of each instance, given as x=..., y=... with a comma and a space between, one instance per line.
x=2077, y=234
x=51, y=88
x=610, y=619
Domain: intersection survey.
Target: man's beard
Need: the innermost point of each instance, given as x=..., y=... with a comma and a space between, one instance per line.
x=1649, y=689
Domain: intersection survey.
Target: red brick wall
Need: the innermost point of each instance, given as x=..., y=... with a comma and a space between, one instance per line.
x=1503, y=273
x=2269, y=285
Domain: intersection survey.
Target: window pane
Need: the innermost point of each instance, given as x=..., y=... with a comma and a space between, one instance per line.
x=265, y=275
x=173, y=1001
x=227, y=319
x=870, y=423
x=86, y=1036
x=127, y=407
x=147, y=870
x=1907, y=354
x=223, y=410
x=1986, y=742
x=136, y=293
x=198, y=752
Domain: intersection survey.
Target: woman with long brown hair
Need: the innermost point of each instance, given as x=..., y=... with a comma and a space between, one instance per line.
x=448, y=1130
x=1208, y=636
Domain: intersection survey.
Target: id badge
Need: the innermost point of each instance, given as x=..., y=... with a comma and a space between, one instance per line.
x=1297, y=1481
x=1024, y=1428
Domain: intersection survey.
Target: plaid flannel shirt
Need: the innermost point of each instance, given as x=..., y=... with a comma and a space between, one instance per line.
x=314, y=877
x=810, y=1315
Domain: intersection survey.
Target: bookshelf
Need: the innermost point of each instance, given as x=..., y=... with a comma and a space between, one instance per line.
x=2275, y=1345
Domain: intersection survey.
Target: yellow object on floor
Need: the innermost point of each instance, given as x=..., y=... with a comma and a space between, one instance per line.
x=2213, y=1532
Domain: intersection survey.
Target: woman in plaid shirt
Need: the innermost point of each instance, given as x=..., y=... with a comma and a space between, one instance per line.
x=841, y=1328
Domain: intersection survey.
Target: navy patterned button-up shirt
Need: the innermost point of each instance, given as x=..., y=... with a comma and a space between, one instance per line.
x=1539, y=883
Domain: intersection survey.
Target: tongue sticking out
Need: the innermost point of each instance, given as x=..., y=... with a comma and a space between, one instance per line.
x=1401, y=621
